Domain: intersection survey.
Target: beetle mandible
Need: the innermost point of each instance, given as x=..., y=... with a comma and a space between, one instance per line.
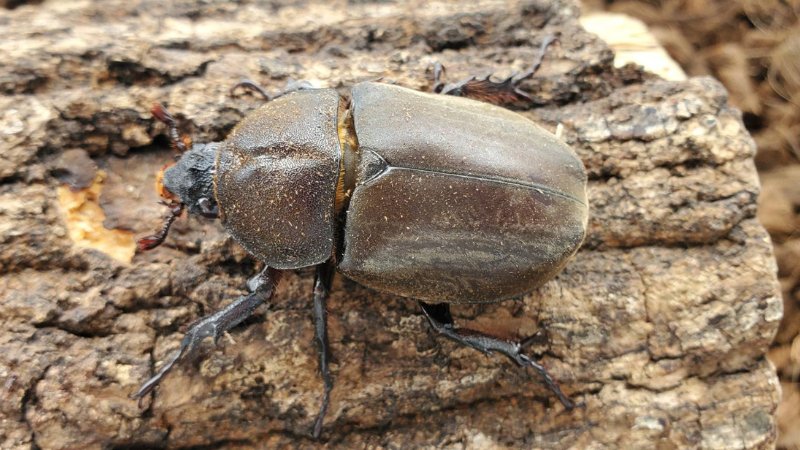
x=434, y=197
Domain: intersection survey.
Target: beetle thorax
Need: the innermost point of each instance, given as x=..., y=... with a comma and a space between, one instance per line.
x=277, y=176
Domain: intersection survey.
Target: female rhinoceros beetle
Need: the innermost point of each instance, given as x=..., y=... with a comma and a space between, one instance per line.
x=434, y=197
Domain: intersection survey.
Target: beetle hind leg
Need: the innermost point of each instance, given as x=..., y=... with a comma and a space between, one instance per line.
x=215, y=325
x=440, y=319
x=506, y=91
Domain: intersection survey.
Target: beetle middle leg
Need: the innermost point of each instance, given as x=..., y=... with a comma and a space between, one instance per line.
x=440, y=319
x=500, y=92
x=322, y=287
x=215, y=325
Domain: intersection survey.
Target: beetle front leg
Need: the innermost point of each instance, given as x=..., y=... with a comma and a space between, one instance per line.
x=505, y=91
x=216, y=324
x=440, y=319
x=250, y=85
x=322, y=287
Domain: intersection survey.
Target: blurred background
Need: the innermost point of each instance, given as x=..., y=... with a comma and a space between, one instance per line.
x=753, y=47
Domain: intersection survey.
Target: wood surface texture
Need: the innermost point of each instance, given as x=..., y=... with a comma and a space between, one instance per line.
x=659, y=324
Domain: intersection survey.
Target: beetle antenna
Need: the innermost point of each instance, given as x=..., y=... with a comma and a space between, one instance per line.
x=154, y=240
x=162, y=115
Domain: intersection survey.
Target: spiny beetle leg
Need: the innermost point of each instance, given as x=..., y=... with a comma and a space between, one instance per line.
x=216, y=324
x=250, y=85
x=440, y=319
x=505, y=91
x=322, y=287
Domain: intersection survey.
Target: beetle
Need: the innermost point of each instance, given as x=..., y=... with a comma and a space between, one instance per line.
x=432, y=196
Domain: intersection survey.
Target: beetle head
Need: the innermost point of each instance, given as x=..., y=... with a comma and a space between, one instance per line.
x=188, y=183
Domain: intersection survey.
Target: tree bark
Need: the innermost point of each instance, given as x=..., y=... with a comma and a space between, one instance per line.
x=659, y=324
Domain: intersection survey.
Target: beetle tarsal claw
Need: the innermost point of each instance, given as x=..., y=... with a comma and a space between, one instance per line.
x=526, y=361
x=151, y=384
x=189, y=344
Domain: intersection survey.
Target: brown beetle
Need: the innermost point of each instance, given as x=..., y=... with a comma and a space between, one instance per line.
x=433, y=197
